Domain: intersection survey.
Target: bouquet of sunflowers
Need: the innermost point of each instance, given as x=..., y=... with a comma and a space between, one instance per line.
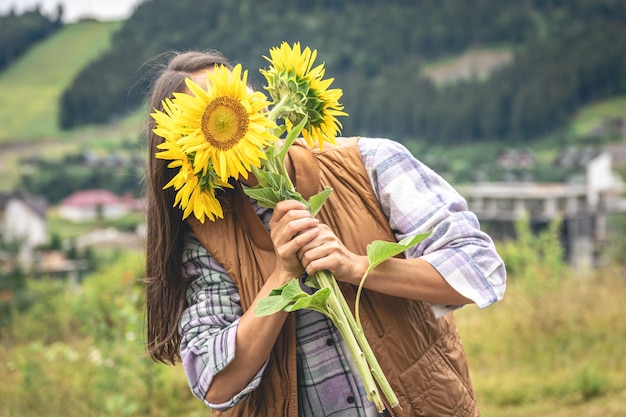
x=223, y=129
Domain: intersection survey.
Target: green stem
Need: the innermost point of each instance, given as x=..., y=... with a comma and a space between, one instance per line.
x=337, y=305
x=277, y=109
x=357, y=303
x=376, y=370
x=325, y=279
x=289, y=140
x=277, y=154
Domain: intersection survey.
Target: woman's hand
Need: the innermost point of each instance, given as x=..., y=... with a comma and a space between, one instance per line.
x=327, y=252
x=291, y=227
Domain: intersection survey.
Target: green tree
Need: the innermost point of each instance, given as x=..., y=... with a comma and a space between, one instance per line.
x=19, y=32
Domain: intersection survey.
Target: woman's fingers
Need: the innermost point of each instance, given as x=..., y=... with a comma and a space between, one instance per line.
x=291, y=227
x=327, y=251
x=290, y=219
x=286, y=207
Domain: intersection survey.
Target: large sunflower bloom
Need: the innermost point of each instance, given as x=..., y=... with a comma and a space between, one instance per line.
x=299, y=90
x=223, y=123
x=214, y=133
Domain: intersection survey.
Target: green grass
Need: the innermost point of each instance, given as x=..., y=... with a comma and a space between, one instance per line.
x=32, y=86
x=553, y=347
x=592, y=116
x=550, y=346
x=81, y=353
x=31, y=89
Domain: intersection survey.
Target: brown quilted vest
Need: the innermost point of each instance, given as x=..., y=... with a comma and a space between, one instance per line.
x=422, y=356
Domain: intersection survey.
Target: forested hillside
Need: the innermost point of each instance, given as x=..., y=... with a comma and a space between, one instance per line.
x=20, y=32
x=566, y=54
x=32, y=85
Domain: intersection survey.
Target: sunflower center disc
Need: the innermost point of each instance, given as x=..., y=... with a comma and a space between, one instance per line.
x=224, y=122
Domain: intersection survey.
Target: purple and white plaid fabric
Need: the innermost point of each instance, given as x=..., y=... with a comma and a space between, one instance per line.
x=416, y=200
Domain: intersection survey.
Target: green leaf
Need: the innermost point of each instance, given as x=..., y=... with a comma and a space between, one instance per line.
x=292, y=291
x=261, y=175
x=312, y=282
x=279, y=290
x=290, y=297
x=280, y=298
x=270, y=305
x=318, y=301
x=379, y=251
x=266, y=196
x=272, y=188
x=276, y=181
x=317, y=201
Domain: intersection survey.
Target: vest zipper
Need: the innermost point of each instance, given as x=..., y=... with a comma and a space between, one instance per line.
x=388, y=411
x=378, y=327
x=285, y=369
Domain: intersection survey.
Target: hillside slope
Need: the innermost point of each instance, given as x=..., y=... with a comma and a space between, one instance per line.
x=31, y=87
x=563, y=55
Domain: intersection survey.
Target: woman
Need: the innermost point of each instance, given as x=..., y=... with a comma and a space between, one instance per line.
x=204, y=280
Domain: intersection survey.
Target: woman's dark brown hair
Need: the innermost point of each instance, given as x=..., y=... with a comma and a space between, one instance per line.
x=165, y=287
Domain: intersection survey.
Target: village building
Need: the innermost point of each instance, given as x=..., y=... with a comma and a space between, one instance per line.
x=582, y=204
x=96, y=204
x=23, y=222
x=55, y=264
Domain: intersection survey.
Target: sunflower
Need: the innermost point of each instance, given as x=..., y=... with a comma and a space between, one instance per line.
x=299, y=91
x=216, y=132
x=223, y=123
x=194, y=193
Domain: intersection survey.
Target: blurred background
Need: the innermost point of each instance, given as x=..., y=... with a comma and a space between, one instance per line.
x=521, y=105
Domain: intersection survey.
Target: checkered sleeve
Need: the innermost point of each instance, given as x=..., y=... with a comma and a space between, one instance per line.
x=417, y=200
x=209, y=323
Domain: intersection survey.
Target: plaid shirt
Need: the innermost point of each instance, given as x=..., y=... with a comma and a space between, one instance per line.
x=415, y=200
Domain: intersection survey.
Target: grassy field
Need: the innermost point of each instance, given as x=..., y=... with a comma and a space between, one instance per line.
x=551, y=348
x=593, y=116
x=554, y=347
x=33, y=85
x=31, y=89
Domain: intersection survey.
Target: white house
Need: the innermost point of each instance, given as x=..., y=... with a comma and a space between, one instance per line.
x=23, y=219
x=601, y=179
